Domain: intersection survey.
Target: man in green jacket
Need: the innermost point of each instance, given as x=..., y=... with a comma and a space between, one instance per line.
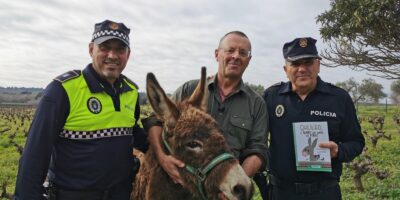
x=240, y=112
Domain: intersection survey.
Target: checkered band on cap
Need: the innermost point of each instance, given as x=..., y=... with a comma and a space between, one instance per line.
x=88, y=135
x=116, y=33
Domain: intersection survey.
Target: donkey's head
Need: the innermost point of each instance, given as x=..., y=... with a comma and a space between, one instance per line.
x=191, y=135
x=309, y=150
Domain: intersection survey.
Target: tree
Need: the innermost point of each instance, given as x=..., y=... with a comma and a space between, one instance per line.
x=371, y=90
x=368, y=91
x=257, y=88
x=363, y=35
x=352, y=87
x=395, y=88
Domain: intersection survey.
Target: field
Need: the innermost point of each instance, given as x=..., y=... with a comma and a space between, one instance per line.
x=384, y=158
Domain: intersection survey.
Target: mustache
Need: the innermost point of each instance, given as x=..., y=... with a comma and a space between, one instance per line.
x=234, y=63
x=111, y=61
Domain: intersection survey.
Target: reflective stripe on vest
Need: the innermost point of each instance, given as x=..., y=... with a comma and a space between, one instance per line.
x=82, y=135
x=92, y=115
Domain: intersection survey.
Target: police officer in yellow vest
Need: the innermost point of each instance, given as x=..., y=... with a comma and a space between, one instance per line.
x=82, y=135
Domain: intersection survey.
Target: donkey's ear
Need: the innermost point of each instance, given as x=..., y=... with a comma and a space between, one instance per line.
x=200, y=95
x=314, y=143
x=164, y=108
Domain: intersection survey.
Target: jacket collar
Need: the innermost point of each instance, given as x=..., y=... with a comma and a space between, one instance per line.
x=212, y=84
x=322, y=86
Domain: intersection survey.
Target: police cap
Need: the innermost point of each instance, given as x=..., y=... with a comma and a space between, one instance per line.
x=107, y=30
x=300, y=48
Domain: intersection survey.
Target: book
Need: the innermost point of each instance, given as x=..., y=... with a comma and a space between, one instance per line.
x=309, y=156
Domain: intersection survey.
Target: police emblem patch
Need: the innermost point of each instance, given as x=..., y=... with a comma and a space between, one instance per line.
x=303, y=42
x=279, y=110
x=94, y=105
x=114, y=26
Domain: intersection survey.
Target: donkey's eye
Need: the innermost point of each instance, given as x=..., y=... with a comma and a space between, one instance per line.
x=195, y=145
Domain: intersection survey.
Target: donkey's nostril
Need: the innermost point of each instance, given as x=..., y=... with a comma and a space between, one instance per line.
x=239, y=191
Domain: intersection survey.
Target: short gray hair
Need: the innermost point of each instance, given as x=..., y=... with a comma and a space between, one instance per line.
x=239, y=33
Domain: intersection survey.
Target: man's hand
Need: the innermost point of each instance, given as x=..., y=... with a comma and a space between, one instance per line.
x=170, y=165
x=333, y=147
x=251, y=165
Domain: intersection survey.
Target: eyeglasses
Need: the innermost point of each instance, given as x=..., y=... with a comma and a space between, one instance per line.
x=242, y=53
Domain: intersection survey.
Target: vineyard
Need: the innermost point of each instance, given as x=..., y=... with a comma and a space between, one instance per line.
x=373, y=175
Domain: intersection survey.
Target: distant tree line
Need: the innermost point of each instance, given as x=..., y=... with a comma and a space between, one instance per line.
x=20, y=95
x=368, y=91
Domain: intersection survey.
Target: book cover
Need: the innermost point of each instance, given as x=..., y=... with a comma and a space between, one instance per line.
x=309, y=156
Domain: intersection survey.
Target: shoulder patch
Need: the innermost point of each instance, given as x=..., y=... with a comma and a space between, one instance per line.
x=130, y=81
x=277, y=84
x=68, y=76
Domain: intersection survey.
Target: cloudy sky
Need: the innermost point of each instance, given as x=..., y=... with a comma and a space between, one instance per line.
x=173, y=39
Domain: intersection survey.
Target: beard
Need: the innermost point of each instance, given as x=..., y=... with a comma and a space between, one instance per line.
x=111, y=74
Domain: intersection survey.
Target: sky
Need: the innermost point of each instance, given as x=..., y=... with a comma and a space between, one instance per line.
x=42, y=39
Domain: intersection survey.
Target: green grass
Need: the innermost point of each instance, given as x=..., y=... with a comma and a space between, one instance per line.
x=386, y=156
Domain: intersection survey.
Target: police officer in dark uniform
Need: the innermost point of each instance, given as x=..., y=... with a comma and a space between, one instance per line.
x=82, y=135
x=307, y=98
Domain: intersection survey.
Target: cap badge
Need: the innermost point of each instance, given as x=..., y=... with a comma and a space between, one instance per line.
x=303, y=42
x=114, y=26
x=94, y=105
x=279, y=110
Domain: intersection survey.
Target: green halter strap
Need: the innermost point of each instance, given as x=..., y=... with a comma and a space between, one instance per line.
x=201, y=173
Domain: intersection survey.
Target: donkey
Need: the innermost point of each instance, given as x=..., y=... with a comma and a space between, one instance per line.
x=309, y=150
x=191, y=135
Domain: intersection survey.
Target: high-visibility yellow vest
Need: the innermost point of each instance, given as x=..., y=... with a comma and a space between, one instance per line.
x=92, y=115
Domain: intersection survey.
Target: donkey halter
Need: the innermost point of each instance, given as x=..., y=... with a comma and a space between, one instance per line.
x=201, y=172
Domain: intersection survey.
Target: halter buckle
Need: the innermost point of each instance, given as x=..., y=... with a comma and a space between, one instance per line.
x=200, y=175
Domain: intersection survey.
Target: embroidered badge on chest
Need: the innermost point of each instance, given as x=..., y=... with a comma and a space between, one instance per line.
x=94, y=105
x=279, y=110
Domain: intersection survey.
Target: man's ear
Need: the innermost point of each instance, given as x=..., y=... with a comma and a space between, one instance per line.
x=216, y=54
x=129, y=52
x=91, y=46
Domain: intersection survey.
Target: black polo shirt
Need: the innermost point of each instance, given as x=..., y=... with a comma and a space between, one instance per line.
x=325, y=103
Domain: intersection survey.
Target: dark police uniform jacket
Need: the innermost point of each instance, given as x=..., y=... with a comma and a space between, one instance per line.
x=79, y=160
x=326, y=103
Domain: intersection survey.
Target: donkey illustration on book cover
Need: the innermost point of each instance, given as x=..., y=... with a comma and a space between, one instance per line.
x=309, y=150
